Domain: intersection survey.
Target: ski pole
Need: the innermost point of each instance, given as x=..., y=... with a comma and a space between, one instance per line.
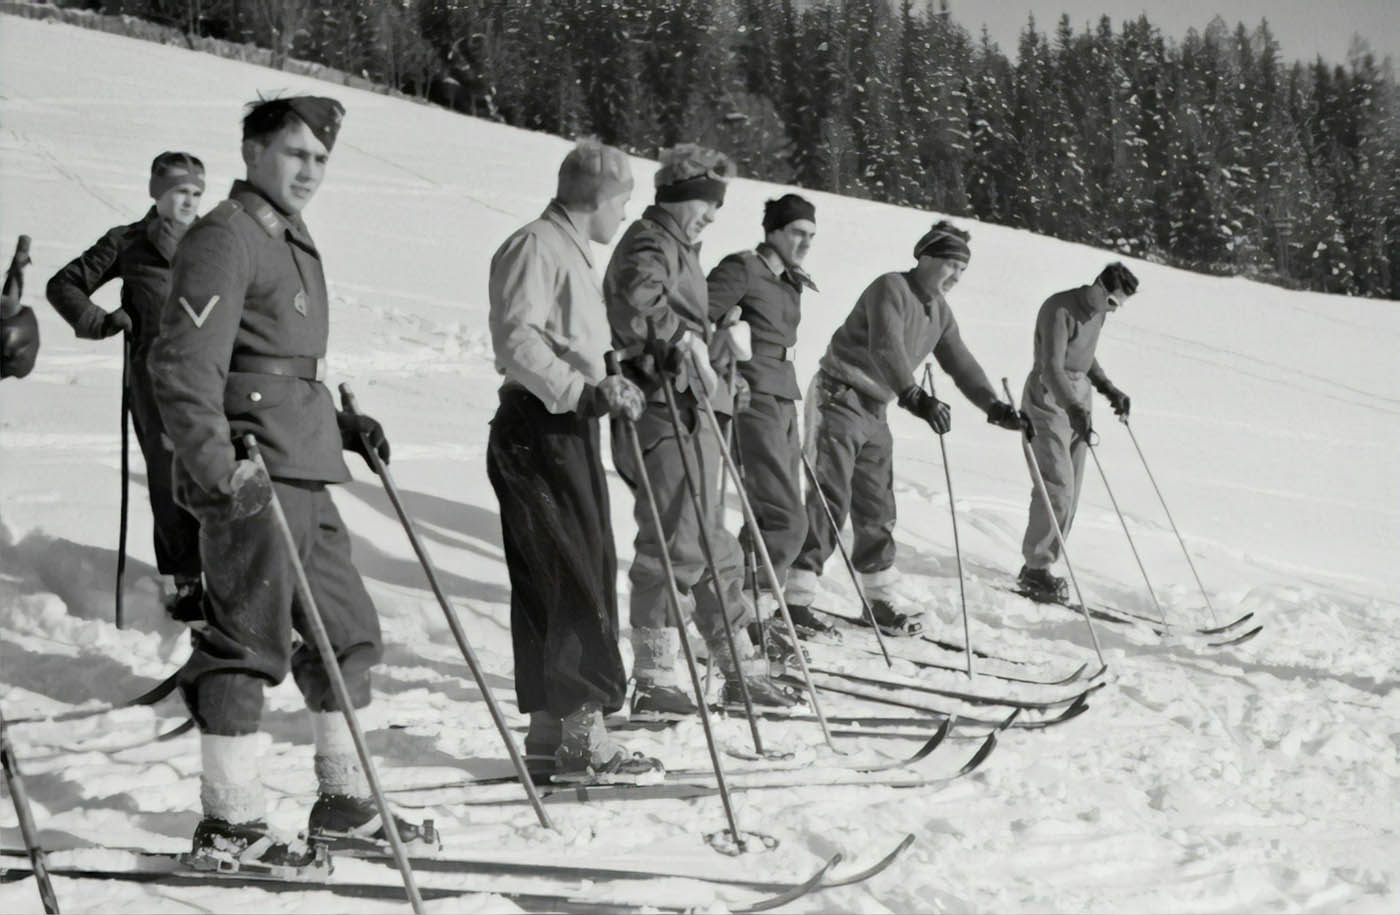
x=846, y=557
x=126, y=481
x=26, y=820
x=1055, y=523
x=331, y=663
x=752, y=521
x=708, y=548
x=1093, y=452
x=953, y=510
x=348, y=403
x=673, y=595
x=735, y=448
x=1179, y=539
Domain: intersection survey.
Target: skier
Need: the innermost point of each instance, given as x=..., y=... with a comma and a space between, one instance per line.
x=897, y=321
x=659, y=311
x=19, y=331
x=765, y=286
x=139, y=254
x=549, y=329
x=1056, y=397
x=242, y=349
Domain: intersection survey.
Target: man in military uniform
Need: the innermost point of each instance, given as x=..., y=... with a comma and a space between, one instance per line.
x=139, y=255
x=658, y=308
x=1057, y=399
x=242, y=349
x=765, y=286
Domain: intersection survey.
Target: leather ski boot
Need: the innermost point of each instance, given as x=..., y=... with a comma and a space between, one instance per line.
x=661, y=693
x=353, y=825
x=587, y=752
x=252, y=848
x=1039, y=585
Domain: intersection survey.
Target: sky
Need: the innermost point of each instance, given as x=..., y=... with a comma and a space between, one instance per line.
x=1304, y=28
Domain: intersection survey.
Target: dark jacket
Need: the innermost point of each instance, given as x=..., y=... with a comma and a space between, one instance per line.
x=247, y=280
x=139, y=255
x=771, y=304
x=655, y=275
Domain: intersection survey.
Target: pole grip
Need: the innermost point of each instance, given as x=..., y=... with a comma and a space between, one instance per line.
x=347, y=399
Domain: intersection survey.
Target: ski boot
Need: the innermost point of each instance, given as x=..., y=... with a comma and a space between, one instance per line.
x=773, y=635
x=251, y=849
x=589, y=754
x=894, y=622
x=352, y=825
x=756, y=672
x=1040, y=586
x=541, y=742
x=660, y=694
x=813, y=627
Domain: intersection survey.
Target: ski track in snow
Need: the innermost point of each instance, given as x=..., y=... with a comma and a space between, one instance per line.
x=1262, y=778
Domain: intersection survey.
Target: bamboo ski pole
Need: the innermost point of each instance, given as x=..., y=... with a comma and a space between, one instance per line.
x=736, y=450
x=25, y=815
x=846, y=558
x=1161, y=614
x=673, y=595
x=1059, y=534
x=957, y=546
x=349, y=404
x=342, y=693
x=118, y=612
x=1170, y=520
x=767, y=560
x=706, y=547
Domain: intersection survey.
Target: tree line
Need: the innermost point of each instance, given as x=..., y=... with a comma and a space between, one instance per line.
x=1211, y=151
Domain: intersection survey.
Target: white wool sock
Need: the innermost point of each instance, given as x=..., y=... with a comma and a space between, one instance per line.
x=338, y=769
x=230, y=785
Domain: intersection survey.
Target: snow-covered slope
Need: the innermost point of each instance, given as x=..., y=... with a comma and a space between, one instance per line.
x=1263, y=778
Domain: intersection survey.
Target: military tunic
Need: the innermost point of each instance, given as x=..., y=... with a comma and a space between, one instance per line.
x=242, y=343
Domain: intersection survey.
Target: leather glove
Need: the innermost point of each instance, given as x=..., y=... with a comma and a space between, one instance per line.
x=613, y=396
x=116, y=322
x=930, y=409
x=743, y=394
x=1118, y=400
x=1008, y=417
x=357, y=430
x=1079, y=422
x=250, y=490
x=695, y=366
x=19, y=343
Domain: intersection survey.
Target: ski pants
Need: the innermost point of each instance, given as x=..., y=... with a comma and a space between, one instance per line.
x=547, y=470
x=251, y=608
x=769, y=444
x=176, y=532
x=1060, y=454
x=852, y=454
x=662, y=446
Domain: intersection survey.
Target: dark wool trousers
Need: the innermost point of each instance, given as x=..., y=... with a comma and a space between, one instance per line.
x=176, y=532
x=770, y=445
x=853, y=457
x=547, y=470
x=251, y=608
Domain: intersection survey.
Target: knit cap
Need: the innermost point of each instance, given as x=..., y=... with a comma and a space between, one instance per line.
x=690, y=171
x=592, y=173
x=787, y=209
x=944, y=240
x=172, y=169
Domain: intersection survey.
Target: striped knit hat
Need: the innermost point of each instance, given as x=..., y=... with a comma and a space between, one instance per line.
x=944, y=240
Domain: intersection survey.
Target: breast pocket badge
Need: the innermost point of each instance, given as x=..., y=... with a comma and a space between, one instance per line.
x=299, y=303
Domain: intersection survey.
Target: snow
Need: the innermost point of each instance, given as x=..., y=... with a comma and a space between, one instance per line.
x=1262, y=778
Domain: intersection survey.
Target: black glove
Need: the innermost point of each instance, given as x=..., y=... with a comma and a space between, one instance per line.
x=357, y=430
x=1008, y=417
x=1118, y=400
x=1079, y=422
x=19, y=343
x=930, y=409
x=116, y=322
x=250, y=490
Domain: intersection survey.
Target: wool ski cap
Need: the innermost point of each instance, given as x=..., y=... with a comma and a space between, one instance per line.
x=592, y=173
x=1117, y=278
x=944, y=240
x=322, y=115
x=690, y=171
x=172, y=169
x=787, y=209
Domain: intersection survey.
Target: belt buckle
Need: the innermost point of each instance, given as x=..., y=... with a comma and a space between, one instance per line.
x=320, y=368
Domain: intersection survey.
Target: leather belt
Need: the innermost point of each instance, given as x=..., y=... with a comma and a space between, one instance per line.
x=770, y=350
x=307, y=368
